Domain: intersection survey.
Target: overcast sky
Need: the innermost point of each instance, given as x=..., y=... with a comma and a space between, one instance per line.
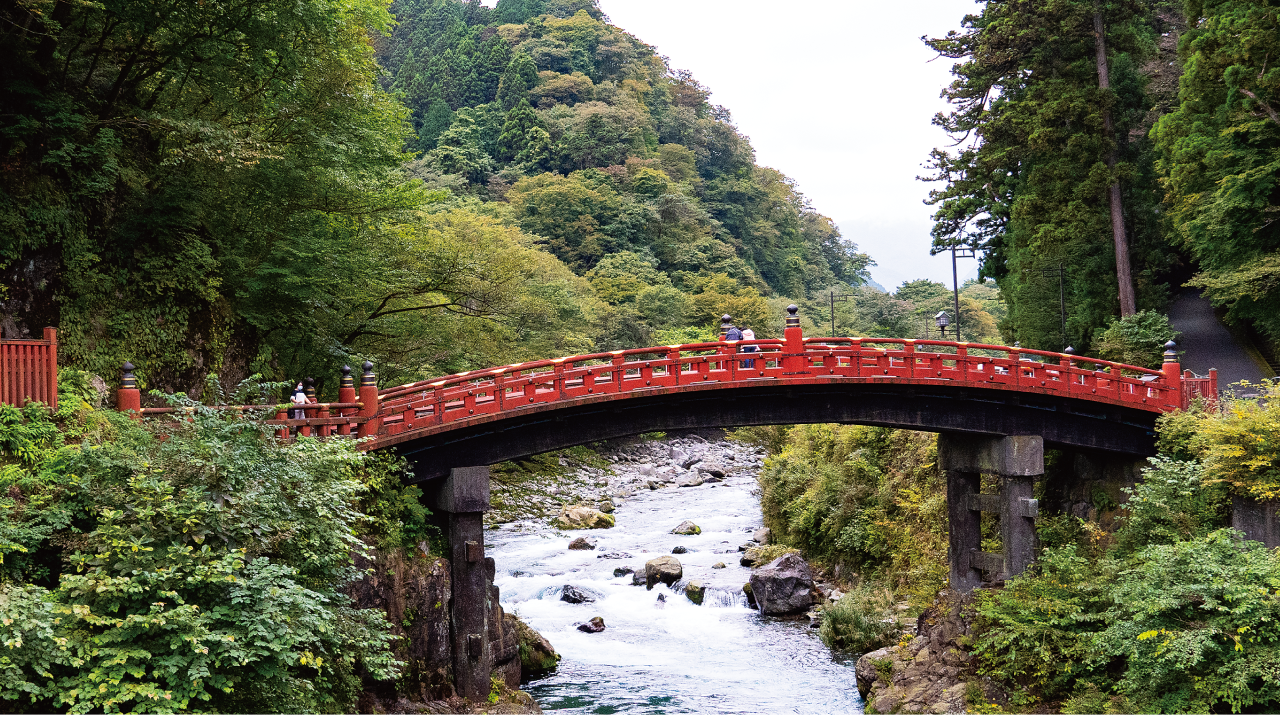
x=837, y=94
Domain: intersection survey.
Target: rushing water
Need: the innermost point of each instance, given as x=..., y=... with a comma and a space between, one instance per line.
x=672, y=656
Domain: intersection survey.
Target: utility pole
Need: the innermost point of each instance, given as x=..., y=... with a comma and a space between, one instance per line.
x=836, y=298
x=1061, y=273
x=955, y=278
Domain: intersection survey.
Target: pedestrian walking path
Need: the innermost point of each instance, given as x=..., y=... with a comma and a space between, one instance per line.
x=1208, y=344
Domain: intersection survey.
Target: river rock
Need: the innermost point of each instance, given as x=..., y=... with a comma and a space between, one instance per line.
x=613, y=555
x=662, y=569
x=695, y=591
x=573, y=595
x=686, y=528
x=679, y=549
x=762, y=535
x=646, y=470
x=582, y=543
x=783, y=586
x=690, y=461
x=637, y=579
x=652, y=484
x=622, y=571
x=718, y=565
x=578, y=517
x=751, y=597
x=595, y=626
x=932, y=673
x=537, y=657
x=606, y=506
x=678, y=456
x=691, y=481
x=712, y=467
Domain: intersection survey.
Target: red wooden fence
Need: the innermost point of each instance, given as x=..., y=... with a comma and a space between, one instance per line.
x=29, y=370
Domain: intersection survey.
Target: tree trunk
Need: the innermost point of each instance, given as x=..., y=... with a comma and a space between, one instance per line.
x=1124, y=275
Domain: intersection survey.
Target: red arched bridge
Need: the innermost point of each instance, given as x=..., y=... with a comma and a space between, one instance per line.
x=487, y=416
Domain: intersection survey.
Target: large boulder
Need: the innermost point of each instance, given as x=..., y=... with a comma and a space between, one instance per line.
x=687, y=528
x=582, y=543
x=595, y=626
x=712, y=467
x=662, y=569
x=783, y=586
x=579, y=517
x=537, y=657
x=695, y=480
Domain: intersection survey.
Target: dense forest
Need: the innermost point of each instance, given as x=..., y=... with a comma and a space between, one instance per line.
x=237, y=194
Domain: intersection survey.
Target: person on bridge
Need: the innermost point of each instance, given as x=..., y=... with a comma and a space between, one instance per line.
x=734, y=334
x=749, y=335
x=299, y=398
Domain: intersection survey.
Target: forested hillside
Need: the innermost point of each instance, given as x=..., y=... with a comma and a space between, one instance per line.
x=581, y=135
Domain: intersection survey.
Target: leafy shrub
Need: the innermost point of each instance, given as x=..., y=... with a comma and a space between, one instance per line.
x=1034, y=633
x=1173, y=502
x=1196, y=626
x=207, y=566
x=1240, y=444
x=1137, y=340
x=862, y=620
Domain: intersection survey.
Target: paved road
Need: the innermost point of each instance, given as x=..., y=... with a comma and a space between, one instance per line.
x=1208, y=344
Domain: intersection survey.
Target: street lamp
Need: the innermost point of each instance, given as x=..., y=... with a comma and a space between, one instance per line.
x=942, y=320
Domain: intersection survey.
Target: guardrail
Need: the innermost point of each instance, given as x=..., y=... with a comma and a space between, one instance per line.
x=794, y=359
x=29, y=370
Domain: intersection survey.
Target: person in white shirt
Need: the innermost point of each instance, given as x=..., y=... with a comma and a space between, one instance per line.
x=749, y=335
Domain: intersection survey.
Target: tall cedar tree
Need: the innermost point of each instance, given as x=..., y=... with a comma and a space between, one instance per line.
x=1041, y=143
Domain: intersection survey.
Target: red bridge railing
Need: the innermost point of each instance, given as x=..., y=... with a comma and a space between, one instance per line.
x=29, y=370
x=440, y=403
x=793, y=360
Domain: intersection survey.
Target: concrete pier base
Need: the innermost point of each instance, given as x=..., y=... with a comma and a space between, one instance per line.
x=1017, y=460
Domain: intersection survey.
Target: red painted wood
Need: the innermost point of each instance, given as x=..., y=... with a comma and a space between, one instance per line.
x=29, y=370
x=797, y=360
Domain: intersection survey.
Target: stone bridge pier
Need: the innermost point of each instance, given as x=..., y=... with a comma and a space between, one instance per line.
x=1017, y=460
x=463, y=497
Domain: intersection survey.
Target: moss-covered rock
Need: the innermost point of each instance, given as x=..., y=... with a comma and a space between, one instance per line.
x=687, y=528
x=537, y=656
x=695, y=591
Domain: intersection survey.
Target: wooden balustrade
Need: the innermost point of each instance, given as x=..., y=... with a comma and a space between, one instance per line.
x=29, y=370
x=796, y=360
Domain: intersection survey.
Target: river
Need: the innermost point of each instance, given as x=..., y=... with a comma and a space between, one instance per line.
x=667, y=656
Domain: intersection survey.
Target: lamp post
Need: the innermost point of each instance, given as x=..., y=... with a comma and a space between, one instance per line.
x=836, y=298
x=1060, y=271
x=943, y=320
x=956, y=252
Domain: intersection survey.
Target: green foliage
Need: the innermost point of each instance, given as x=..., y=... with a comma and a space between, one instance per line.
x=191, y=565
x=1220, y=154
x=871, y=499
x=1028, y=185
x=1175, y=615
x=1173, y=503
x=1136, y=340
x=863, y=620
x=1238, y=444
